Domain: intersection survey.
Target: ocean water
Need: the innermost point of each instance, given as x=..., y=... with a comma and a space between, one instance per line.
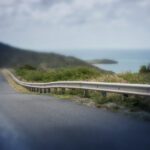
x=124, y=65
x=128, y=60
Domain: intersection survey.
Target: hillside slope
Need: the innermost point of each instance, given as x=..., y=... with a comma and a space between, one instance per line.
x=14, y=57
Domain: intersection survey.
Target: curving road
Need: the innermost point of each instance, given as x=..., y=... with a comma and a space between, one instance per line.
x=33, y=122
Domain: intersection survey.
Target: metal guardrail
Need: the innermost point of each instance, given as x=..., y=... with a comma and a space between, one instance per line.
x=126, y=89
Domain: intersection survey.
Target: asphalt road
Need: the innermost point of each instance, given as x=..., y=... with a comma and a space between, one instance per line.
x=32, y=122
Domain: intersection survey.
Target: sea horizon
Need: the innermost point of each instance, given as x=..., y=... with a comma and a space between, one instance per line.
x=128, y=61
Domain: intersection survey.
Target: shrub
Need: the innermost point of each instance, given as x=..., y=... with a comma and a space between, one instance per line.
x=28, y=67
x=145, y=69
x=75, y=73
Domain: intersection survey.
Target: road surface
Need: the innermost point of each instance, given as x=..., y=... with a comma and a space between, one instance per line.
x=33, y=122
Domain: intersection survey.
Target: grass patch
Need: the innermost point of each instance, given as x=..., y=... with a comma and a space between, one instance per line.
x=63, y=74
x=136, y=77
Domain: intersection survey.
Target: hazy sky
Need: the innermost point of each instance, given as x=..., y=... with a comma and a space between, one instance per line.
x=75, y=24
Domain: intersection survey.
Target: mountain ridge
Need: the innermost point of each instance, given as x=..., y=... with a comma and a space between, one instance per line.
x=11, y=56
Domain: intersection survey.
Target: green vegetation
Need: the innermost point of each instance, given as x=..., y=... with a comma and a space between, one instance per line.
x=102, y=61
x=142, y=78
x=132, y=102
x=145, y=69
x=27, y=67
x=30, y=73
x=75, y=73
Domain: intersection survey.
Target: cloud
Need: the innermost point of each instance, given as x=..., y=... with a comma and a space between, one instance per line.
x=73, y=12
x=144, y=3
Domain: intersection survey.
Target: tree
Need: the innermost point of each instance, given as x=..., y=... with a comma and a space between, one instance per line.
x=145, y=69
x=28, y=67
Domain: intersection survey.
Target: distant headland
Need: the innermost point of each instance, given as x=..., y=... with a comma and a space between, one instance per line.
x=102, y=61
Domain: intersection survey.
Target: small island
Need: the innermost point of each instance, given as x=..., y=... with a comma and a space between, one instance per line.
x=102, y=61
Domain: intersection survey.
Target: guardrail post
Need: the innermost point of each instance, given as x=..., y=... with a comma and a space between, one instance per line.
x=63, y=91
x=55, y=90
x=38, y=90
x=33, y=89
x=41, y=90
x=124, y=96
x=104, y=94
x=44, y=90
x=28, y=88
x=48, y=90
x=85, y=93
x=71, y=91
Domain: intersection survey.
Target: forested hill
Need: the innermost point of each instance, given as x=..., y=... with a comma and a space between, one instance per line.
x=12, y=57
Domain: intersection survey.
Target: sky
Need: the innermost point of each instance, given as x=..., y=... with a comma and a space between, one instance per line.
x=63, y=25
